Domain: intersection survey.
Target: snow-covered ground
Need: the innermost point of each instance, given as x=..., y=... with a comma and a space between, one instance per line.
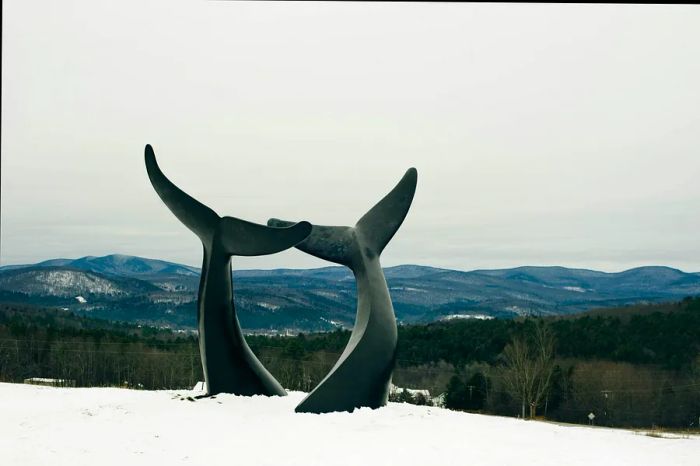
x=111, y=426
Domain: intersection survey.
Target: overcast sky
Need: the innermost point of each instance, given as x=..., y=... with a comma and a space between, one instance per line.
x=542, y=134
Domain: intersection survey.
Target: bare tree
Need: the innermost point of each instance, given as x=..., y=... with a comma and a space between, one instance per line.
x=528, y=364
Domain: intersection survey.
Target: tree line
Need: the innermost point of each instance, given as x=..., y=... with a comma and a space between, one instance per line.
x=635, y=366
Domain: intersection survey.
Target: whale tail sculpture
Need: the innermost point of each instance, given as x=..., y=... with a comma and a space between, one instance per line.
x=229, y=364
x=237, y=237
x=362, y=375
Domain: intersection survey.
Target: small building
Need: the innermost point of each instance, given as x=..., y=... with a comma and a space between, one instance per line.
x=50, y=382
x=394, y=390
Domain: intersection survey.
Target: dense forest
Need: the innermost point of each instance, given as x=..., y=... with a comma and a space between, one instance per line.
x=632, y=366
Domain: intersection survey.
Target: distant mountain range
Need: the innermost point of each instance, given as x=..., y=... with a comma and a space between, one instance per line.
x=137, y=289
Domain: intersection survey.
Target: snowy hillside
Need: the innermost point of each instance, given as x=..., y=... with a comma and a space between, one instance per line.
x=109, y=426
x=67, y=283
x=61, y=283
x=140, y=290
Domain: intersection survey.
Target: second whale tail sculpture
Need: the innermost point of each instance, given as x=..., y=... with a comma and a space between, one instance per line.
x=229, y=364
x=362, y=375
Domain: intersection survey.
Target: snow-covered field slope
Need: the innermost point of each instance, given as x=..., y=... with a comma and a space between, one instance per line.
x=110, y=426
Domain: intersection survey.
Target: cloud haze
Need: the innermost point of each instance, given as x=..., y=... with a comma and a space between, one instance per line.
x=542, y=134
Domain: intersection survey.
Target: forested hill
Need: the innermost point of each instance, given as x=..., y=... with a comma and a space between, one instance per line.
x=666, y=334
x=135, y=289
x=663, y=334
x=636, y=366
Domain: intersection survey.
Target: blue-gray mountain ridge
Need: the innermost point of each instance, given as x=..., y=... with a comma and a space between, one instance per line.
x=136, y=289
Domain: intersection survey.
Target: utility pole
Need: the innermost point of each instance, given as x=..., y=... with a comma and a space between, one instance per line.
x=605, y=394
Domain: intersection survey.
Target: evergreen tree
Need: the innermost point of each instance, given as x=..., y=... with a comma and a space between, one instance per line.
x=456, y=394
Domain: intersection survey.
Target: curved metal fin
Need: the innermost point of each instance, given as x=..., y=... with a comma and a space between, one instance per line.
x=192, y=213
x=242, y=238
x=331, y=243
x=381, y=222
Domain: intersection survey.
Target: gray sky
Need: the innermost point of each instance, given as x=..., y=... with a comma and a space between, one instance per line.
x=542, y=134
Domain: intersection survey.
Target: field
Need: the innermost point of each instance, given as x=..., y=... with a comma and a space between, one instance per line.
x=110, y=426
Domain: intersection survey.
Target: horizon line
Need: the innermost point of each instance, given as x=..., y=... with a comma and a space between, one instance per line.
x=2, y=266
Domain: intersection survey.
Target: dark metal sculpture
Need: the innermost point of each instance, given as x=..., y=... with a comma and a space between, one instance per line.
x=362, y=375
x=229, y=364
